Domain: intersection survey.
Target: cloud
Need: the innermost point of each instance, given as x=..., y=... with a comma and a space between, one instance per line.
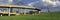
x=49, y=1
x=10, y=0
x=45, y=3
x=40, y=3
x=58, y=3
x=32, y=3
x=54, y=3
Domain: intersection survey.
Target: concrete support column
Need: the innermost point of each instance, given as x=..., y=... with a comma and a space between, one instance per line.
x=9, y=12
x=1, y=14
x=24, y=11
x=33, y=13
x=19, y=10
x=39, y=12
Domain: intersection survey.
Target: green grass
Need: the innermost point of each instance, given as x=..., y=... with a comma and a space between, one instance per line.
x=42, y=16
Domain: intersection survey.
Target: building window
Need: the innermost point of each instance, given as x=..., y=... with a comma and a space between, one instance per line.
x=3, y=9
x=18, y=10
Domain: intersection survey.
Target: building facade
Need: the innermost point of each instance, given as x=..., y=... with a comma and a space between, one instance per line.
x=16, y=10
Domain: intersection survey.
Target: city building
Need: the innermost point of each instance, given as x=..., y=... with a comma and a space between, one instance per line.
x=16, y=9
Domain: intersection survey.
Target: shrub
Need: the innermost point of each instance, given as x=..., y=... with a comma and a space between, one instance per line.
x=31, y=12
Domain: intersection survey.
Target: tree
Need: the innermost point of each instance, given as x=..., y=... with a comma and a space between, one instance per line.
x=31, y=12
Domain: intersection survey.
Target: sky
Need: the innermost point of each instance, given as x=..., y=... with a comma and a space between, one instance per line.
x=43, y=4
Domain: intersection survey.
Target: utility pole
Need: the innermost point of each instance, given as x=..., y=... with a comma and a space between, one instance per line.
x=48, y=8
